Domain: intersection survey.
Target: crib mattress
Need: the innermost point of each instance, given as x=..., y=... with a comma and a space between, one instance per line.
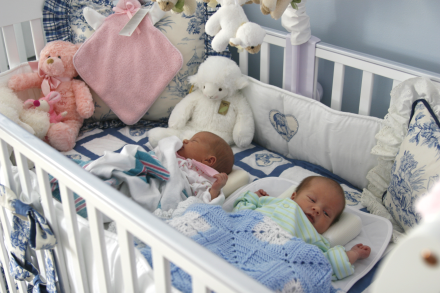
x=95, y=139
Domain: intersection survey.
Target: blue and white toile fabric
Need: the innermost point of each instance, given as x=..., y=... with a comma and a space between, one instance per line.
x=416, y=167
x=29, y=229
x=399, y=170
x=253, y=243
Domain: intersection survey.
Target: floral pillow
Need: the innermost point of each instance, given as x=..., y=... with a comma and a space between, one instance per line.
x=63, y=19
x=408, y=154
x=416, y=167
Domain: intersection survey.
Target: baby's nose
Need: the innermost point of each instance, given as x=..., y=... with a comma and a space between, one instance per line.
x=316, y=210
x=185, y=141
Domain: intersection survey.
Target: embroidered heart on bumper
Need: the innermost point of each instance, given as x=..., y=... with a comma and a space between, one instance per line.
x=285, y=125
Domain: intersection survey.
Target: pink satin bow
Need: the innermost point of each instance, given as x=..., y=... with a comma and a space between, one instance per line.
x=49, y=82
x=130, y=10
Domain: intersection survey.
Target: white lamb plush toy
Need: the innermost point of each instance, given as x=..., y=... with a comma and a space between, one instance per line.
x=216, y=105
x=230, y=25
x=32, y=120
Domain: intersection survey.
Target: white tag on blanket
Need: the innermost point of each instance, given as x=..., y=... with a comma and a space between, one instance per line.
x=133, y=23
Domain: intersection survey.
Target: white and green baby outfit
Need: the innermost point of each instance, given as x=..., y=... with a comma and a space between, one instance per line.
x=288, y=214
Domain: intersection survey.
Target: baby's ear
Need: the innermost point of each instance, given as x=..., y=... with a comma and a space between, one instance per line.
x=210, y=161
x=293, y=195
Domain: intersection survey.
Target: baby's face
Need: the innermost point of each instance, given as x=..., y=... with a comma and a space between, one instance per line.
x=197, y=148
x=321, y=203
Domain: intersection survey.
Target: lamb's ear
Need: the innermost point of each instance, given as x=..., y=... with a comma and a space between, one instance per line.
x=242, y=82
x=192, y=79
x=235, y=41
x=93, y=18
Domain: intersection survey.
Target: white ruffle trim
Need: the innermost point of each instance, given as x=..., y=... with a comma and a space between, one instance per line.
x=389, y=138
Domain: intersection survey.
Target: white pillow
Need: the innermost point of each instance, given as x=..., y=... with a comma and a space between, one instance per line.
x=416, y=167
x=389, y=143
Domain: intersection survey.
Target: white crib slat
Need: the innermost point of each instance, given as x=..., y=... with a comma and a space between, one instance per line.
x=75, y=242
x=395, y=83
x=315, y=79
x=49, y=213
x=11, y=46
x=37, y=36
x=3, y=254
x=3, y=57
x=6, y=166
x=198, y=286
x=41, y=263
x=264, y=62
x=162, y=272
x=99, y=248
x=244, y=62
x=338, y=86
x=127, y=260
x=18, y=30
x=366, y=93
x=23, y=172
x=3, y=249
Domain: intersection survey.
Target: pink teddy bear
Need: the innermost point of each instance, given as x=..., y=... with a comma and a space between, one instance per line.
x=46, y=104
x=56, y=72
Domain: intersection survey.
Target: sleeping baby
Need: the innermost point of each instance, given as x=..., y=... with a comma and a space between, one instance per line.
x=317, y=203
x=205, y=160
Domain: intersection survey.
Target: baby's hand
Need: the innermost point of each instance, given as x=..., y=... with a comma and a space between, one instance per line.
x=362, y=250
x=222, y=178
x=359, y=251
x=261, y=193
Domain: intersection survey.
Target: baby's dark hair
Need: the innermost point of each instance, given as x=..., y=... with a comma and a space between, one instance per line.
x=223, y=153
x=307, y=181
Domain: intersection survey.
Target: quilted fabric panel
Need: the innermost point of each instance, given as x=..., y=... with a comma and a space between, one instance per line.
x=63, y=20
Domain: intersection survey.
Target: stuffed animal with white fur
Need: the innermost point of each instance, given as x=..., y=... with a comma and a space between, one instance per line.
x=276, y=8
x=230, y=24
x=178, y=6
x=216, y=105
x=32, y=120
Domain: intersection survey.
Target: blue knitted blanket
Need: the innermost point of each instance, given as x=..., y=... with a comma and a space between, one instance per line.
x=250, y=241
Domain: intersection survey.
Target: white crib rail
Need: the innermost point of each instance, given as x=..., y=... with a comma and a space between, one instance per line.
x=342, y=58
x=12, y=43
x=370, y=66
x=207, y=270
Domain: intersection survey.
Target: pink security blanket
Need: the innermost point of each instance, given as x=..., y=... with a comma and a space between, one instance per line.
x=128, y=73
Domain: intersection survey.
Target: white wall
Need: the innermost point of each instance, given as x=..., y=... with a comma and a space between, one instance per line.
x=405, y=31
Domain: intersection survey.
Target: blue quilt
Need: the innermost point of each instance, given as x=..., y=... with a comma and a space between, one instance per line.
x=282, y=267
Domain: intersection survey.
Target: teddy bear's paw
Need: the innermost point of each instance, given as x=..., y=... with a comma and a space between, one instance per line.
x=61, y=136
x=14, y=82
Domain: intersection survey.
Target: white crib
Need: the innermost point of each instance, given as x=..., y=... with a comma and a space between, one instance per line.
x=208, y=271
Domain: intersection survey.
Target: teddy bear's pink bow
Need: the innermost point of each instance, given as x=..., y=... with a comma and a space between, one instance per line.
x=131, y=7
x=49, y=82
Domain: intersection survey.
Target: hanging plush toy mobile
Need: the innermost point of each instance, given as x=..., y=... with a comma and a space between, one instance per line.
x=229, y=25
